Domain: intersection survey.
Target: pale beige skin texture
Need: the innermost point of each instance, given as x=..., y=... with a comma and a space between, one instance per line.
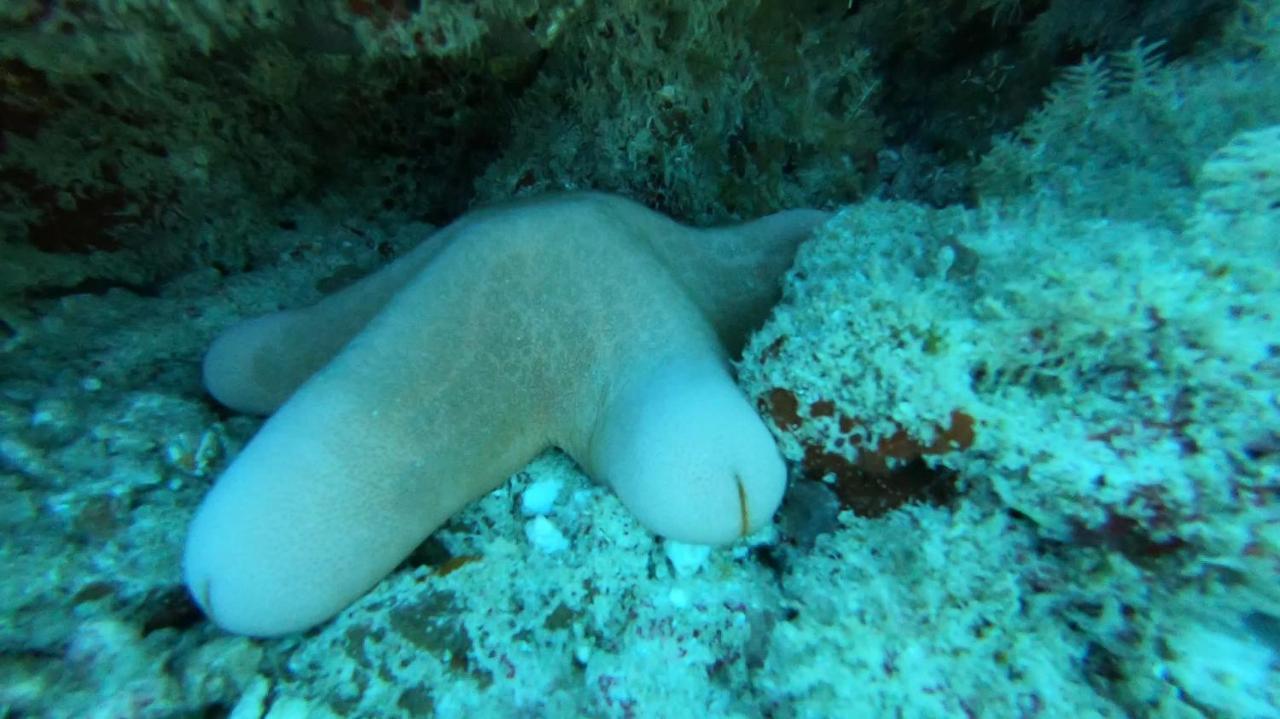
x=583, y=321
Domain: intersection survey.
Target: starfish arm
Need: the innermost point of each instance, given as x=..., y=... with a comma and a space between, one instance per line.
x=684, y=450
x=401, y=430
x=734, y=273
x=255, y=365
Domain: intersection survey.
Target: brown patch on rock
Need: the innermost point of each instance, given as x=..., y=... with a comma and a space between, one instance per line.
x=874, y=495
x=783, y=406
x=100, y=518
x=822, y=408
x=878, y=481
x=452, y=564
x=1127, y=536
x=903, y=448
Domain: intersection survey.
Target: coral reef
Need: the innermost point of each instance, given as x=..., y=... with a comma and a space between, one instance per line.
x=1094, y=354
x=131, y=156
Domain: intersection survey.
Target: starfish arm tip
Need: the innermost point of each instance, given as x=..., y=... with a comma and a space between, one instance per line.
x=691, y=459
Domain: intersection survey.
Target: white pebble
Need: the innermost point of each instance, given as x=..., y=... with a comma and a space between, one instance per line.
x=687, y=559
x=250, y=705
x=545, y=535
x=287, y=707
x=540, y=497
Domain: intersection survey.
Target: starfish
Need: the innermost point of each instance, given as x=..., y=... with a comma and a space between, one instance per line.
x=581, y=321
